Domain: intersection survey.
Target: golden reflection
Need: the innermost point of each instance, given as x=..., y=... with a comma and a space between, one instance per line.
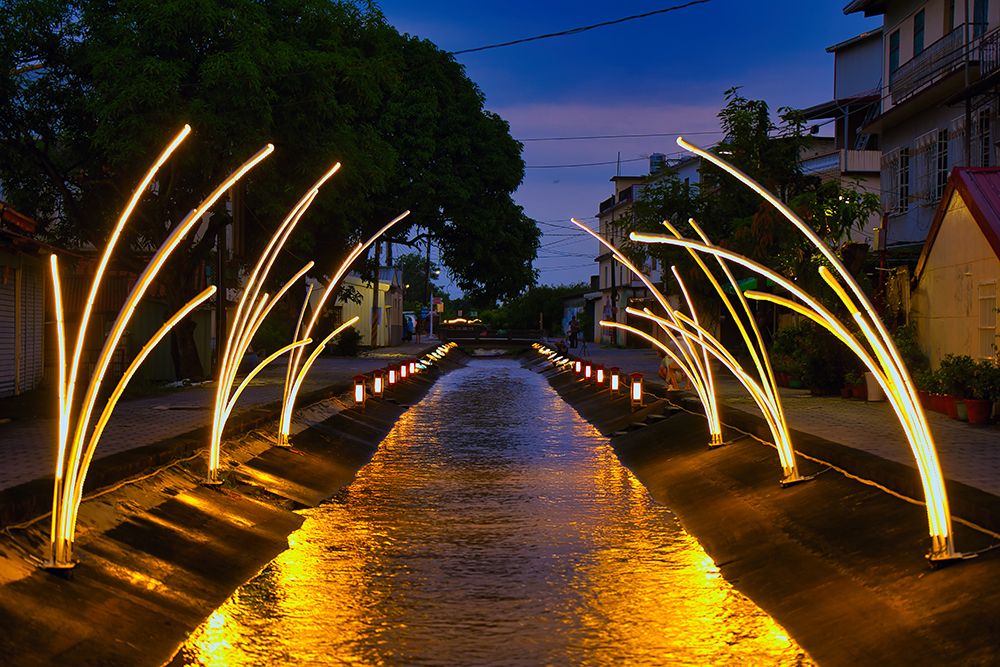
x=492, y=526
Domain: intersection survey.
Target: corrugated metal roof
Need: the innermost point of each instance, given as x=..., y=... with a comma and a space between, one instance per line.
x=979, y=188
x=852, y=40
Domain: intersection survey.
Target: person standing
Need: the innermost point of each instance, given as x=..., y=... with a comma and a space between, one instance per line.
x=574, y=331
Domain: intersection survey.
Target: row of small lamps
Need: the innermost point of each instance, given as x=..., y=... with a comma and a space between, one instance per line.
x=395, y=373
x=596, y=373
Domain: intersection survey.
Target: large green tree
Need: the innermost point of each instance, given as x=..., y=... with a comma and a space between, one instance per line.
x=93, y=89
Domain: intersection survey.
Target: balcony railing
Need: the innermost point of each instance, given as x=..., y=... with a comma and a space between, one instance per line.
x=937, y=60
x=989, y=53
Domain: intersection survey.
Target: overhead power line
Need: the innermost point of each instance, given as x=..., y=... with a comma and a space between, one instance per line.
x=575, y=31
x=623, y=136
x=585, y=164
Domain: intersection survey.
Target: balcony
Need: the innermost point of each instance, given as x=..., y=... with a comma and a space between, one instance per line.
x=935, y=62
x=843, y=162
x=989, y=54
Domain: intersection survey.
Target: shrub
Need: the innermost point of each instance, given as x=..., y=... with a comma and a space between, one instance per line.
x=349, y=342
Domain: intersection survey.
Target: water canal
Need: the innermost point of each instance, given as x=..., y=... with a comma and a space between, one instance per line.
x=493, y=527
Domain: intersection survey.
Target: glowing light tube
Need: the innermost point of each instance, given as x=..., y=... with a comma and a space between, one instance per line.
x=285, y=421
x=689, y=364
x=78, y=456
x=939, y=514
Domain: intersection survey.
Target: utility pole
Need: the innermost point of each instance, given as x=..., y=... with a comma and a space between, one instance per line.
x=427, y=289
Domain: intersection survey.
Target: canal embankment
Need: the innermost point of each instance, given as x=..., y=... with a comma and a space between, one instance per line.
x=159, y=552
x=838, y=560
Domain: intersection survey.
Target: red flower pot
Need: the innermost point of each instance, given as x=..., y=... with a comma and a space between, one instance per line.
x=939, y=403
x=926, y=400
x=950, y=407
x=859, y=390
x=846, y=392
x=979, y=410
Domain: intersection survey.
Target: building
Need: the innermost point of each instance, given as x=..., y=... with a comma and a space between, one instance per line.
x=380, y=310
x=852, y=156
x=955, y=300
x=937, y=103
x=617, y=287
x=22, y=304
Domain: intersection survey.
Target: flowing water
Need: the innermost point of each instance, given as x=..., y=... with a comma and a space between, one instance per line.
x=493, y=527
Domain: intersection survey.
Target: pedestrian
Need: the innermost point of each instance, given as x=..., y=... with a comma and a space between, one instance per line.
x=669, y=367
x=574, y=331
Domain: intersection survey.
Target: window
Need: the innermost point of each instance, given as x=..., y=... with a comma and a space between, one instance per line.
x=896, y=176
x=941, y=164
x=918, y=33
x=894, y=52
x=949, y=16
x=607, y=281
x=982, y=126
x=903, y=183
x=987, y=319
x=980, y=17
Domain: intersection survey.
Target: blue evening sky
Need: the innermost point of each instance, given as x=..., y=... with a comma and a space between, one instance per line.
x=661, y=74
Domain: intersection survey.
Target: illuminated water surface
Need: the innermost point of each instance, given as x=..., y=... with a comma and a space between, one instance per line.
x=493, y=527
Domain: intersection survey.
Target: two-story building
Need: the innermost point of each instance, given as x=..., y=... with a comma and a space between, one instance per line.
x=852, y=156
x=937, y=102
x=617, y=286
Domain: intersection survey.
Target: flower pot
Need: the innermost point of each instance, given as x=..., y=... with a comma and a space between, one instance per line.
x=795, y=383
x=873, y=388
x=960, y=410
x=952, y=409
x=859, y=391
x=785, y=379
x=939, y=403
x=978, y=410
x=926, y=401
x=846, y=392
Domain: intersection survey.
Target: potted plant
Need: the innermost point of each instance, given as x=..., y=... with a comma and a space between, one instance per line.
x=856, y=381
x=984, y=391
x=957, y=373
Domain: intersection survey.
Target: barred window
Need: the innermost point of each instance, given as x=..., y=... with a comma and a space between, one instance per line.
x=987, y=319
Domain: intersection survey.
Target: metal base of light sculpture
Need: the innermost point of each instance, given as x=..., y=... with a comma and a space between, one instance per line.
x=283, y=441
x=943, y=554
x=793, y=478
x=717, y=441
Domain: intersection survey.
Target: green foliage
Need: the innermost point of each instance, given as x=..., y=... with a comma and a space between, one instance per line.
x=986, y=381
x=271, y=336
x=349, y=342
x=957, y=374
x=736, y=217
x=98, y=89
x=904, y=337
x=522, y=312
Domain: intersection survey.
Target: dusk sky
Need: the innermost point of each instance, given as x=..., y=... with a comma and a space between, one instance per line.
x=661, y=74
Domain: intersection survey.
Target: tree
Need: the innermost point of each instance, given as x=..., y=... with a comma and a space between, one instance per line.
x=457, y=169
x=415, y=280
x=736, y=217
x=96, y=88
x=546, y=301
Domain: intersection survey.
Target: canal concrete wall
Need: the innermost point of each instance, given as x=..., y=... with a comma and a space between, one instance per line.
x=157, y=555
x=838, y=561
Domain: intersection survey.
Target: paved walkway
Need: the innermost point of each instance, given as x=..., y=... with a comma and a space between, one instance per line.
x=969, y=454
x=27, y=448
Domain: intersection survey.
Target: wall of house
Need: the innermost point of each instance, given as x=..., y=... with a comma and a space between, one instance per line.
x=960, y=260
x=149, y=316
x=22, y=322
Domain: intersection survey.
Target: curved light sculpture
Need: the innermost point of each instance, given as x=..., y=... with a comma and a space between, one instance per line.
x=886, y=364
x=250, y=314
x=772, y=415
x=75, y=450
x=296, y=373
x=696, y=369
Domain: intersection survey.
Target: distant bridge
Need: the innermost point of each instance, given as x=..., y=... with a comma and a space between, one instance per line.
x=476, y=335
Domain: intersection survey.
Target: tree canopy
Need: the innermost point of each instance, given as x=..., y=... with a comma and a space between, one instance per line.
x=736, y=217
x=94, y=89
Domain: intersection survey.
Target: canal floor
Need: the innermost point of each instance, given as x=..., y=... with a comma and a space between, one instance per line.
x=493, y=527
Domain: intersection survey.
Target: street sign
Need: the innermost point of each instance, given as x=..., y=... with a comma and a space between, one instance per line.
x=424, y=313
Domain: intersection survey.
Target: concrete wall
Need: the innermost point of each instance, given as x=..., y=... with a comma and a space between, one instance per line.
x=945, y=304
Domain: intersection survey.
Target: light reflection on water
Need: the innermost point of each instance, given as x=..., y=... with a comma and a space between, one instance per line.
x=493, y=527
